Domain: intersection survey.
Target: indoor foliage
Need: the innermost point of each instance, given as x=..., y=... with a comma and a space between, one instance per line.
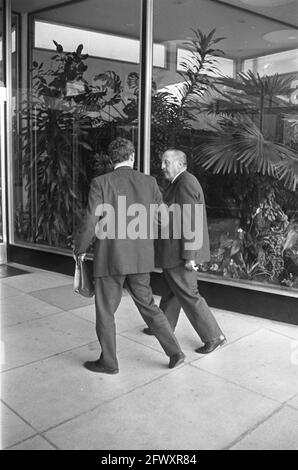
x=248, y=175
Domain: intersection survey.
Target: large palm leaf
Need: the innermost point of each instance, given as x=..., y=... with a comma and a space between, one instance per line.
x=251, y=94
x=250, y=86
x=238, y=146
x=287, y=171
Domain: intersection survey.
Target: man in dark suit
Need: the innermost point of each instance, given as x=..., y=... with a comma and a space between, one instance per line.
x=179, y=252
x=123, y=255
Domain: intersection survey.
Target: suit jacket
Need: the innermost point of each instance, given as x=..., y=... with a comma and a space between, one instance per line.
x=119, y=254
x=170, y=252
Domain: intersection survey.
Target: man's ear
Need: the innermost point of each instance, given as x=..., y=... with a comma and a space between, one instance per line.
x=132, y=157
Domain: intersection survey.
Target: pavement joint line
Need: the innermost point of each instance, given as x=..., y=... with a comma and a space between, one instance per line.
x=33, y=319
x=291, y=398
x=105, y=402
x=289, y=405
x=64, y=309
x=253, y=428
x=46, y=288
x=229, y=343
x=49, y=441
x=139, y=342
x=28, y=439
x=247, y=389
x=120, y=333
x=79, y=316
x=283, y=334
x=37, y=433
x=19, y=416
x=69, y=350
x=10, y=284
x=19, y=442
x=224, y=346
x=42, y=316
x=48, y=357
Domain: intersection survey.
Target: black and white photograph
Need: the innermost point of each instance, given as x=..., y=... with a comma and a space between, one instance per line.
x=149, y=228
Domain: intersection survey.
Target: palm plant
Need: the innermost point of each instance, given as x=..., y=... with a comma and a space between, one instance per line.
x=238, y=146
x=173, y=113
x=240, y=142
x=257, y=95
x=198, y=73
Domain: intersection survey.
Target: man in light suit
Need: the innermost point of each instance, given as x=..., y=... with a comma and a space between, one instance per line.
x=179, y=253
x=122, y=259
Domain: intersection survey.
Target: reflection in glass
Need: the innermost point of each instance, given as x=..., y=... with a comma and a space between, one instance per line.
x=235, y=118
x=281, y=62
x=96, y=43
x=239, y=132
x=1, y=112
x=2, y=71
x=76, y=104
x=1, y=137
x=222, y=65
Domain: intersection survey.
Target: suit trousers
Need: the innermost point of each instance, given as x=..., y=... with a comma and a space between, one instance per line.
x=182, y=291
x=108, y=293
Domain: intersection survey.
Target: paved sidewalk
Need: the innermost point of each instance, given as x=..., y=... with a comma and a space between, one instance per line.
x=242, y=396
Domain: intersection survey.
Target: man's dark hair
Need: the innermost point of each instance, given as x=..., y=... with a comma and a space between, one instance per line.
x=120, y=149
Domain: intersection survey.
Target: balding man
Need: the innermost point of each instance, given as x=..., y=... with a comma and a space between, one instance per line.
x=186, y=245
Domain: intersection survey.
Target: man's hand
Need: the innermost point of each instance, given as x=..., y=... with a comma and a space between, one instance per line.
x=81, y=256
x=190, y=265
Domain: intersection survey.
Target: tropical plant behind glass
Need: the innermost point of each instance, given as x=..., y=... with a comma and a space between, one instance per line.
x=238, y=144
x=241, y=144
x=65, y=122
x=52, y=138
x=71, y=121
x=172, y=113
x=241, y=141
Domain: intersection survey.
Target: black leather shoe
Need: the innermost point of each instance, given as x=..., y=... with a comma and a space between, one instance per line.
x=176, y=360
x=210, y=346
x=147, y=331
x=96, y=366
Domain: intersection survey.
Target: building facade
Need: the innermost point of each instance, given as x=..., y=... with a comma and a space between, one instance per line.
x=217, y=79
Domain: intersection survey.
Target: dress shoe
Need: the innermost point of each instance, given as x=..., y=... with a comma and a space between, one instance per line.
x=147, y=331
x=96, y=366
x=176, y=360
x=210, y=346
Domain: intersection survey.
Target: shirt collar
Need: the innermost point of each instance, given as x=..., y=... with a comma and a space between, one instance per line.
x=119, y=165
x=175, y=177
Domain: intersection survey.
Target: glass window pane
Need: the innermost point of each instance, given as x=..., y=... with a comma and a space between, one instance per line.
x=281, y=62
x=96, y=44
x=1, y=159
x=2, y=71
x=1, y=115
x=228, y=99
x=79, y=96
x=222, y=66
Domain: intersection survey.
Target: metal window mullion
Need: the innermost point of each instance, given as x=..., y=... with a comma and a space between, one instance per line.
x=3, y=169
x=145, y=93
x=9, y=162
